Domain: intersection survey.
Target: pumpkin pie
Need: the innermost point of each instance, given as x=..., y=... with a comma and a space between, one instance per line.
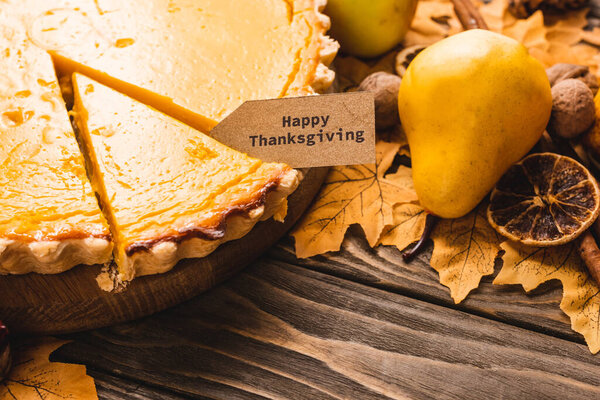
x=167, y=190
x=194, y=60
x=49, y=217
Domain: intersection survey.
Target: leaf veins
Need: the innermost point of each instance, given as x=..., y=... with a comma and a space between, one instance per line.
x=464, y=251
x=355, y=194
x=34, y=377
x=530, y=267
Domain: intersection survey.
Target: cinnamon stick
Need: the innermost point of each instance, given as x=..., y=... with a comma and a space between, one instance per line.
x=468, y=15
x=590, y=254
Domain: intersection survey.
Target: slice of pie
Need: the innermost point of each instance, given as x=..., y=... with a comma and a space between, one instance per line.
x=49, y=218
x=194, y=60
x=167, y=190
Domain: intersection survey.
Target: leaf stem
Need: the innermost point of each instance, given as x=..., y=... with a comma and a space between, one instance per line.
x=430, y=222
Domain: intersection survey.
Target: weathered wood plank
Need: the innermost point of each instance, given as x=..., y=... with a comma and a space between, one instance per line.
x=384, y=268
x=110, y=387
x=281, y=331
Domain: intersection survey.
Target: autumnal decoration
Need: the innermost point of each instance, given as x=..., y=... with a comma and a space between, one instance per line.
x=561, y=71
x=34, y=377
x=5, y=355
x=408, y=223
x=531, y=266
x=355, y=194
x=464, y=251
x=430, y=223
x=573, y=110
x=590, y=254
x=468, y=248
x=467, y=14
x=384, y=87
x=544, y=200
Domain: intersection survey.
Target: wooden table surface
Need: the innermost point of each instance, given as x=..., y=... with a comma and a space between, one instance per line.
x=356, y=324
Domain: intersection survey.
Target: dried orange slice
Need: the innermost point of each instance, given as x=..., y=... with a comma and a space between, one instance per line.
x=544, y=200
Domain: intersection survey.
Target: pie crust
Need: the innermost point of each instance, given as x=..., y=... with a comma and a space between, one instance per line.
x=198, y=193
x=53, y=255
x=161, y=256
x=49, y=217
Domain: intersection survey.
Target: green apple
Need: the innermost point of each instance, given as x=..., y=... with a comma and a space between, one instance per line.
x=368, y=28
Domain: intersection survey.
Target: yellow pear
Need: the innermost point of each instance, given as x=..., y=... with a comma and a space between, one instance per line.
x=471, y=105
x=369, y=28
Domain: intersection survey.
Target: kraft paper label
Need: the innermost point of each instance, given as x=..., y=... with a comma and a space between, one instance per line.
x=310, y=131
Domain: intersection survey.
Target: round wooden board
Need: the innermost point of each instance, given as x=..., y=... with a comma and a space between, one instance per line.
x=72, y=301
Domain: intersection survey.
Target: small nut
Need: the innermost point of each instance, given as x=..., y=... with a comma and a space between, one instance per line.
x=560, y=72
x=573, y=109
x=5, y=356
x=385, y=87
x=405, y=57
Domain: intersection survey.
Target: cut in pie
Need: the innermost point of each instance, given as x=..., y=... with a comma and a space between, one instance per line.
x=194, y=60
x=168, y=190
x=49, y=218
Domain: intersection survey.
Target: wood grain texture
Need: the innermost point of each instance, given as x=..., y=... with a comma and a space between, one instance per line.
x=384, y=268
x=72, y=301
x=110, y=387
x=282, y=331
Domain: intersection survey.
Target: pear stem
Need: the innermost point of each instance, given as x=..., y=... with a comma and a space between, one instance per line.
x=430, y=222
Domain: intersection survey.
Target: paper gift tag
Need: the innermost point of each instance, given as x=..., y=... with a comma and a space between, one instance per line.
x=309, y=131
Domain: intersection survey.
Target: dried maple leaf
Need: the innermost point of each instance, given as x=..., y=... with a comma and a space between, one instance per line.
x=530, y=267
x=433, y=21
x=496, y=15
x=409, y=223
x=34, y=377
x=531, y=32
x=464, y=250
x=354, y=194
x=569, y=30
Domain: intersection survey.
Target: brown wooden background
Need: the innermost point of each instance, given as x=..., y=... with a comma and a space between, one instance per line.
x=355, y=324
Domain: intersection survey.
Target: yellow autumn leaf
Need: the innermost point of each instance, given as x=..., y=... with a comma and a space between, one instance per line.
x=568, y=30
x=433, y=21
x=464, y=250
x=350, y=71
x=409, y=223
x=531, y=32
x=34, y=377
x=531, y=266
x=496, y=15
x=354, y=194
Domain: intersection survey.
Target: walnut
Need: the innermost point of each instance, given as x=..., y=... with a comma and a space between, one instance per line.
x=385, y=88
x=560, y=72
x=573, y=110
